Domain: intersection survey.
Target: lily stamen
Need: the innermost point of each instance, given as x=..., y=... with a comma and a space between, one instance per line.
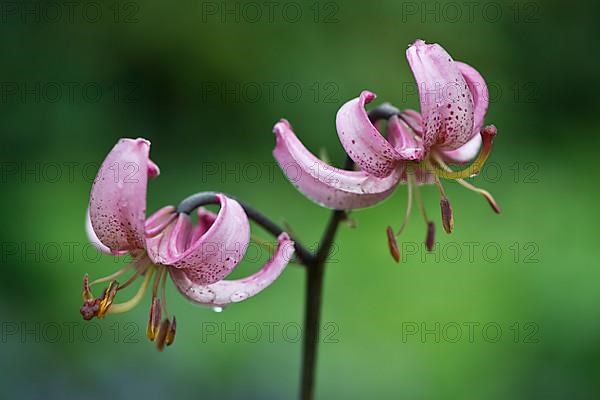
x=409, y=201
x=447, y=215
x=487, y=137
x=140, y=271
x=487, y=195
x=107, y=298
x=430, y=238
x=114, y=275
x=135, y=300
x=154, y=319
x=163, y=293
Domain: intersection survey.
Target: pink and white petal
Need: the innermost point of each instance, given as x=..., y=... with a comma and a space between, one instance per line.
x=89, y=230
x=362, y=141
x=479, y=93
x=463, y=154
x=215, y=254
x=118, y=197
x=326, y=185
x=226, y=292
x=446, y=103
x=404, y=140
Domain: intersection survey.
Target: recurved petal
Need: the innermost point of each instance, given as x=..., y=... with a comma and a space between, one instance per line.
x=362, y=141
x=118, y=197
x=446, y=103
x=328, y=186
x=226, y=292
x=213, y=255
x=479, y=93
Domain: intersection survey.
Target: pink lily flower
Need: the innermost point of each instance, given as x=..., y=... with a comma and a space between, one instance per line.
x=197, y=258
x=416, y=149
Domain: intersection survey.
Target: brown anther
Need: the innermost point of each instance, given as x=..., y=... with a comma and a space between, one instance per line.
x=430, y=239
x=90, y=308
x=107, y=298
x=447, y=217
x=392, y=244
x=86, y=293
x=489, y=131
x=170, y=338
x=154, y=319
x=163, y=331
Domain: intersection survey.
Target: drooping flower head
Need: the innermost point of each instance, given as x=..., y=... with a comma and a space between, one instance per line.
x=198, y=257
x=416, y=149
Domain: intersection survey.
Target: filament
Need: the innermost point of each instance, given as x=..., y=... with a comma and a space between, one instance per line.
x=487, y=195
x=135, y=300
x=163, y=292
x=409, y=200
x=487, y=135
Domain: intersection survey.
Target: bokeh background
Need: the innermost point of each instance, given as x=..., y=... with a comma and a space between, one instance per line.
x=505, y=307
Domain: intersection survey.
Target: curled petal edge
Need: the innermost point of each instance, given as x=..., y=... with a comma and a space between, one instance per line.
x=226, y=292
x=214, y=254
x=326, y=185
x=361, y=139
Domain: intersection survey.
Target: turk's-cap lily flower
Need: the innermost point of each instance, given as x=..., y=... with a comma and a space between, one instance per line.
x=416, y=149
x=198, y=257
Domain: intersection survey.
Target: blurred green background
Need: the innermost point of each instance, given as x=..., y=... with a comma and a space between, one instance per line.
x=505, y=307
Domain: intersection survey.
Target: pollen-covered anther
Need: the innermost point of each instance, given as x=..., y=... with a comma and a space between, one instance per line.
x=392, y=244
x=430, y=238
x=89, y=309
x=154, y=319
x=86, y=293
x=163, y=332
x=447, y=216
x=170, y=338
x=107, y=298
